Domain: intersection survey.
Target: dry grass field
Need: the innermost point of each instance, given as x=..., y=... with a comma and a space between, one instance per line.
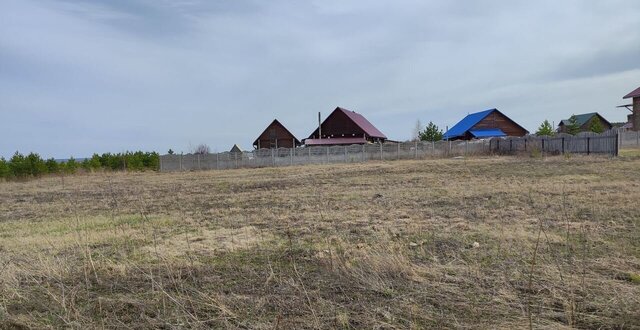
x=456, y=243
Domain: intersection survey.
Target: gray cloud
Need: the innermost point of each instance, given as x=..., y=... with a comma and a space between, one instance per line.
x=83, y=77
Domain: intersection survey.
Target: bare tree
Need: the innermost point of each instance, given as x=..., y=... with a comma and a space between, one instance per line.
x=201, y=149
x=415, y=133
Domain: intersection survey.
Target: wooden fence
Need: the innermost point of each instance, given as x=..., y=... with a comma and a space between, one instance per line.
x=584, y=143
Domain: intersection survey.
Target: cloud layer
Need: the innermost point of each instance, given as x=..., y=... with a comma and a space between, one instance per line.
x=79, y=77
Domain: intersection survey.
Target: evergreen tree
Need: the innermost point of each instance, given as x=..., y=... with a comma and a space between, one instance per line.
x=170, y=152
x=19, y=166
x=572, y=126
x=596, y=126
x=545, y=129
x=70, y=166
x=37, y=167
x=86, y=165
x=5, y=171
x=52, y=166
x=95, y=163
x=431, y=133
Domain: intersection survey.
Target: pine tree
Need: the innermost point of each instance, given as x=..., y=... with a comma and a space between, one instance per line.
x=545, y=129
x=431, y=133
x=596, y=126
x=572, y=126
x=19, y=166
x=52, y=166
x=71, y=166
x=4, y=169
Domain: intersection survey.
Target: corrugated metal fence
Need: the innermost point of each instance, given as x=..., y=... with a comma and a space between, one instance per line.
x=585, y=143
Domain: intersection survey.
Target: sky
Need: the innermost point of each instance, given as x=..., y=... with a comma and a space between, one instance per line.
x=84, y=77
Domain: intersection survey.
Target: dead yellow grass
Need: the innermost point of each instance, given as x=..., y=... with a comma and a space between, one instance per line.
x=472, y=243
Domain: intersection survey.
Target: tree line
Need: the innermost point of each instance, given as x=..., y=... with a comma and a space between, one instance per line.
x=21, y=166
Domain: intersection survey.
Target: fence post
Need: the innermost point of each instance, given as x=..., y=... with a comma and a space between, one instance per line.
x=510, y=145
x=381, y=151
x=433, y=149
x=291, y=154
x=160, y=163
x=525, y=145
x=563, y=145
x=273, y=158
x=236, y=156
x=416, y=149
x=327, y=155
x=398, y=152
x=198, y=158
x=588, y=145
x=345, y=154
x=180, y=161
x=616, y=150
x=217, y=160
x=466, y=147
x=363, y=153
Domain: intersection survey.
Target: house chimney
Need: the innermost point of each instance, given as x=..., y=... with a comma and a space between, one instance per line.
x=319, y=126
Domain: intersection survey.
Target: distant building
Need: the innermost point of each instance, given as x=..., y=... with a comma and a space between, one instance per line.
x=633, y=119
x=485, y=124
x=345, y=127
x=585, y=121
x=235, y=149
x=276, y=136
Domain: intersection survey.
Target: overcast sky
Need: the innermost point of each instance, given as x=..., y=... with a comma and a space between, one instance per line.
x=78, y=77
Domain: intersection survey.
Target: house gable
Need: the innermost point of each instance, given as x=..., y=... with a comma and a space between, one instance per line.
x=276, y=136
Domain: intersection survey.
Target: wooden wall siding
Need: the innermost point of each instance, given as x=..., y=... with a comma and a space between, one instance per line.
x=339, y=125
x=275, y=135
x=497, y=120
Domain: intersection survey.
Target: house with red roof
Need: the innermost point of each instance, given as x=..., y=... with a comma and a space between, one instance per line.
x=634, y=118
x=345, y=127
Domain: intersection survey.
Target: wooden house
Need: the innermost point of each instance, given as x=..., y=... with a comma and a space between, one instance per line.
x=235, y=149
x=345, y=127
x=485, y=124
x=276, y=136
x=585, y=122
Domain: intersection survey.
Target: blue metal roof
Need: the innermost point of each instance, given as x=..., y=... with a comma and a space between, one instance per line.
x=466, y=124
x=485, y=133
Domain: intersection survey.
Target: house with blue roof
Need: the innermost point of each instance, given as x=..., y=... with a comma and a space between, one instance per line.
x=484, y=124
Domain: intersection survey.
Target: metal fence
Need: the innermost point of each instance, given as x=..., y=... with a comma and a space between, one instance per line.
x=584, y=143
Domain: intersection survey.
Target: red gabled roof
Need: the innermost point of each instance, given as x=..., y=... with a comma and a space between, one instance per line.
x=363, y=123
x=635, y=93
